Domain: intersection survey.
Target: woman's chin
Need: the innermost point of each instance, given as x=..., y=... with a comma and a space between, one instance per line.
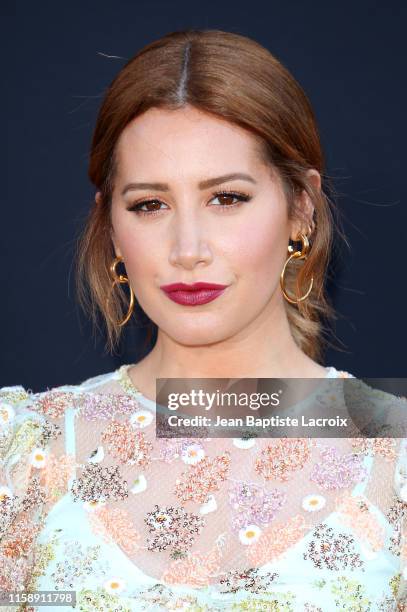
x=202, y=336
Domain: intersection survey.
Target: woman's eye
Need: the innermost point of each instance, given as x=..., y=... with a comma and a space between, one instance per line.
x=153, y=207
x=225, y=199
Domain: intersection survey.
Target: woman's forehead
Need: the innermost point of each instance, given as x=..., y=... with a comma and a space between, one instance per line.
x=163, y=130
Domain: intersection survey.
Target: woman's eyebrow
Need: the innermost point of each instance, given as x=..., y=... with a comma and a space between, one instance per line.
x=202, y=184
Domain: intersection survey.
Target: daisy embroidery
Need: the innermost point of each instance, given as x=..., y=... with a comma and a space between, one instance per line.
x=209, y=506
x=403, y=493
x=97, y=455
x=141, y=418
x=192, y=453
x=139, y=484
x=249, y=534
x=5, y=493
x=313, y=502
x=114, y=585
x=244, y=442
x=38, y=458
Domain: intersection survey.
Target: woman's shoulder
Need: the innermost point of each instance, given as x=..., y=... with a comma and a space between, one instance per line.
x=20, y=394
x=102, y=394
x=332, y=372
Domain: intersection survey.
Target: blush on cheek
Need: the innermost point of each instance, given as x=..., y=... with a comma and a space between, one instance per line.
x=263, y=246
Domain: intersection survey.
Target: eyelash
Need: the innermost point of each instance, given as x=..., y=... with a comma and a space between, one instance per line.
x=243, y=197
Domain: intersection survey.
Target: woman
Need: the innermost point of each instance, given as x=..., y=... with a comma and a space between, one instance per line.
x=207, y=164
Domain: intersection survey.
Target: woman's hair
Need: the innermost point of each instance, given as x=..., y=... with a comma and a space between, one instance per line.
x=236, y=79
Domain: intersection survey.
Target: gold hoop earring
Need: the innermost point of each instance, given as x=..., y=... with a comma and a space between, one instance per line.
x=121, y=278
x=296, y=255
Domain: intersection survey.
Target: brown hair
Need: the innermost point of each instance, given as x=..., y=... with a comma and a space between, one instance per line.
x=237, y=79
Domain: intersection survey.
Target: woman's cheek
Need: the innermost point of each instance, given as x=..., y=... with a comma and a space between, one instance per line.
x=262, y=250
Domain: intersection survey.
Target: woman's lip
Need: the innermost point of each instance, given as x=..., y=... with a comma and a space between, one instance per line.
x=194, y=298
x=193, y=287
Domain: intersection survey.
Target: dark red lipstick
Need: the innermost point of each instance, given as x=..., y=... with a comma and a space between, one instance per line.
x=193, y=295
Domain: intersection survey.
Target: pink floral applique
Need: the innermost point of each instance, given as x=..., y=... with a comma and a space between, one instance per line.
x=275, y=540
x=202, y=478
x=95, y=406
x=57, y=472
x=335, y=471
x=385, y=447
x=127, y=445
x=14, y=573
x=279, y=461
x=171, y=449
x=354, y=512
x=115, y=525
x=21, y=538
x=251, y=503
x=195, y=570
x=53, y=403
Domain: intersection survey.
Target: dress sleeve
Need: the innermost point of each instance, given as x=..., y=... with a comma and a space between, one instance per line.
x=400, y=486
x=24, y=438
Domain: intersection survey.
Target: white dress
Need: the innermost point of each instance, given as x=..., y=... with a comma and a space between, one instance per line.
x=93, y=502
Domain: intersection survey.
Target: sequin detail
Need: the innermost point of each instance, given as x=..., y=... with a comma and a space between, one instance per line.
x=99, y=483
x=202, y=478
x=104, y=406
x=248, y=580
x=251, y=503
x=332, y=537
x=383, y=447
x=53, y=403
x=115, y=525
x=196, y=570
x=275, y=540
x=279, y=461
x=332, y=550
x=127, y=445
x=173, y=528
x=336, y=471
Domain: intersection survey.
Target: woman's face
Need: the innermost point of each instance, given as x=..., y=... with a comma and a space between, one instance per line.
x=193, y=233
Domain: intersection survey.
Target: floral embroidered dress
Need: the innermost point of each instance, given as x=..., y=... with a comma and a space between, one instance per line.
x=92, y=501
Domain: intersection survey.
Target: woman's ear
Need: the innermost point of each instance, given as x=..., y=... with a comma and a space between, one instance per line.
x=307, y=224
x=98, y=198
x=115, y=246
x=315, y=178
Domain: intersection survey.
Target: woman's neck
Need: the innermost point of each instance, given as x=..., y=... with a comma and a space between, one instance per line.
x=260, y=353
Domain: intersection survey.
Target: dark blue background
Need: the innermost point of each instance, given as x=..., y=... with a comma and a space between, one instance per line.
x=350, y=59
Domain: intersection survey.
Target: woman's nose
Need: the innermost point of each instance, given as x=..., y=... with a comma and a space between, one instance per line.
x=189, y=242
